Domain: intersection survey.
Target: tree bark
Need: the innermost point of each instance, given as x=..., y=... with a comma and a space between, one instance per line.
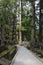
x=33, y=22
x=19, y=21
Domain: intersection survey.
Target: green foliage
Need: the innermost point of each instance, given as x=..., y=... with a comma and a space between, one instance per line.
x=7, y=16
x=8, y=9
x=26, y=22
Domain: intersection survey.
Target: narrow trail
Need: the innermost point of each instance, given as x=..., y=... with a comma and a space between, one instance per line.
x=25, y=57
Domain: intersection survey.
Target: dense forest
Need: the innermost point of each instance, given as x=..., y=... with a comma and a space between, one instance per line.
x=20, y=21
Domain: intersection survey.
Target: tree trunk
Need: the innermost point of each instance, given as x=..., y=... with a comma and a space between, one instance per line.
x=40, y=26
x=19, y=21
x=41, y=23
x=33, y=22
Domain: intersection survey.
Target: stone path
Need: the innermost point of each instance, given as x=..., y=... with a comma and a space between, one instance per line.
x=25, y=57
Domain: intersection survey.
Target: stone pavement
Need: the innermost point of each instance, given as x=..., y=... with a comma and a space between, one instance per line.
x=25, y=57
